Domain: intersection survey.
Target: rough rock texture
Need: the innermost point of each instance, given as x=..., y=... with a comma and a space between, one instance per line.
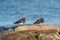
x=22, y=28
x=31, y=35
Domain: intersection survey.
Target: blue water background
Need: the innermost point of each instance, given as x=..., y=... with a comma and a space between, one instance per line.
x=13, y=10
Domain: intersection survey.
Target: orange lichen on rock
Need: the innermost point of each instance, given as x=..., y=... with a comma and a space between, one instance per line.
x=38, y=28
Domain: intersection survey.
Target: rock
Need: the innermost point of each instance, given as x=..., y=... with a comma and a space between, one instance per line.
x=32, y=35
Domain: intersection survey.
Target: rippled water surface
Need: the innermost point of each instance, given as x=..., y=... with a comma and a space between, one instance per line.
x=12, y=10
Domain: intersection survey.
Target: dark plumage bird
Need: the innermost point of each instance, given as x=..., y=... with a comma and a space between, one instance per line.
x=41, y=20
x=20, y=21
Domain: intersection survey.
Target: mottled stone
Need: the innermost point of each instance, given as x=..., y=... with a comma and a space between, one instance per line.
x=32, y=35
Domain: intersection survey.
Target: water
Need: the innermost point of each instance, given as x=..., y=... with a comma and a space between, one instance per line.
x=13, y=10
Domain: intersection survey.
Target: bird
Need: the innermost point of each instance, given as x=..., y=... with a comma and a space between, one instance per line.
x=20, y=21
x=41, y=20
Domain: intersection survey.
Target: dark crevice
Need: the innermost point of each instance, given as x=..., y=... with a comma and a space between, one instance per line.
x=59, y=32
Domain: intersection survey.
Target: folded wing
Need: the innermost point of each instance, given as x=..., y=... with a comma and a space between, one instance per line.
x=41, y=20
x=20, y=21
